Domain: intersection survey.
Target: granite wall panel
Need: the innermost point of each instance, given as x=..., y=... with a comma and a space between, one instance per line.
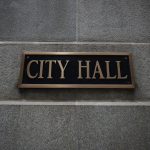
x=10, y=60
x=37, y=20
x=74, y=127
x=114, y=20
x=8, y=127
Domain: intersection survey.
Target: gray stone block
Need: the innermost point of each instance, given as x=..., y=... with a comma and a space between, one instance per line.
x=47, y=128
x=10, y=59
x=113, y=128
x=8, y=127
x=34, y=20
x=114, y=20
x=74, y=127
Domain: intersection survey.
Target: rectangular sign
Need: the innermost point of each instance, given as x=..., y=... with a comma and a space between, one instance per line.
x=76, y=70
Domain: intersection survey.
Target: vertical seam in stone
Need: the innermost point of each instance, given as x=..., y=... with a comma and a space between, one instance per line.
x=76, y=20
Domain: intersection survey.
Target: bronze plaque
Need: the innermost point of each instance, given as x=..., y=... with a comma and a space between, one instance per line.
x=76, y=70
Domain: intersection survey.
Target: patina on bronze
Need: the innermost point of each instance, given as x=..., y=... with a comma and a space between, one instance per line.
x=76, y=70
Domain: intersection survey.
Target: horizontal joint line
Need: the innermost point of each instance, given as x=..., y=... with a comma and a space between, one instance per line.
x=78, y=43
x=77, y=103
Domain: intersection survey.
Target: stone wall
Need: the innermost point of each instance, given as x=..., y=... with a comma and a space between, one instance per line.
x=123, y=123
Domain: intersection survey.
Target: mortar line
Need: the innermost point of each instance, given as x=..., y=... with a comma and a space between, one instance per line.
x=76, y=103
x=75, y=42
x=77, y=20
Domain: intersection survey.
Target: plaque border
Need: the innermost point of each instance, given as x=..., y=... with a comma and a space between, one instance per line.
x=101, y=86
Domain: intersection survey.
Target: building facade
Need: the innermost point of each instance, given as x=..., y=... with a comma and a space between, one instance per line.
x=74, y=119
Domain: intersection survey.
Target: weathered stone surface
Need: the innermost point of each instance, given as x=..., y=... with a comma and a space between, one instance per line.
x=114, y=20
x=74, y=127
x=10, y=59
x=8, y=127
x=110, y=128
x=47, y=127
x=36, y=20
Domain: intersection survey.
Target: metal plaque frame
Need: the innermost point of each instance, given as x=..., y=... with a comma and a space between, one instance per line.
x=124, y=86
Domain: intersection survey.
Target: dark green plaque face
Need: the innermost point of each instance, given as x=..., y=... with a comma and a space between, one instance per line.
x=76, y=70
